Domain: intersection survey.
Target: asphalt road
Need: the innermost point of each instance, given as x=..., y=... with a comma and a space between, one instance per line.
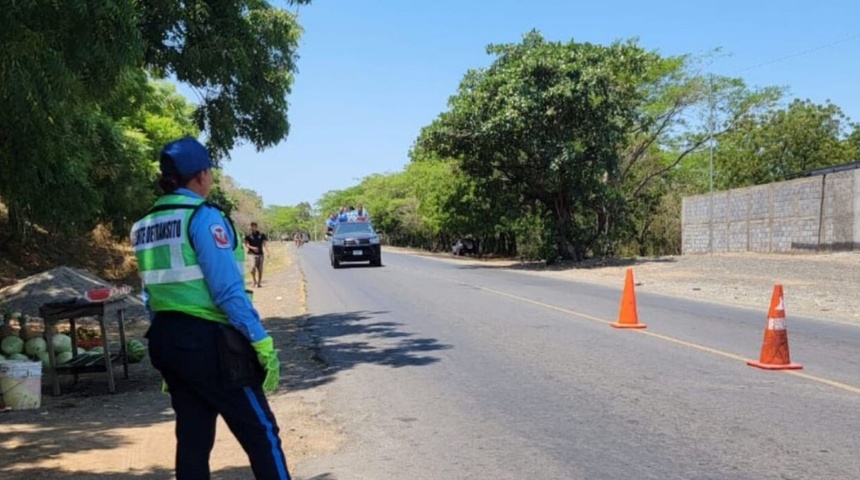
x=450, y=371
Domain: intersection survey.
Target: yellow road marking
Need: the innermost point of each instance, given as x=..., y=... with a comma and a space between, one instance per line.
x=732, y=356
x=825, y=381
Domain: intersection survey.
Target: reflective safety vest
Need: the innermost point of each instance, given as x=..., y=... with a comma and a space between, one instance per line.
x=168, y=263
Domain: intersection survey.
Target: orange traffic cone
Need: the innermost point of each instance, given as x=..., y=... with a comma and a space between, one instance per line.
x=774, y=348
x=628, y=317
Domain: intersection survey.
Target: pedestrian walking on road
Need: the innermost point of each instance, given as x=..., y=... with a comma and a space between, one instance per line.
x=257, y=244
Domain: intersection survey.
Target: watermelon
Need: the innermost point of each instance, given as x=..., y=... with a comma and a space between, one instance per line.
x=45, y=359
x=97, y=295
x=135, y=350
x=104, y=294
x=62, y=343
x=34, y=346
x=12, y=345
x=63, y=357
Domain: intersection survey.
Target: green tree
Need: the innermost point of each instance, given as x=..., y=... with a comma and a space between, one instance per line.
x=853, y=141
x=772, y=146
x=547, y=121
x=663, y=157
x=61, y=61
x=156, y=114
x=452, y=204
x=287, y=220
x=281, y=220
x=74, y=139
x=164, y=115
x=239, y=55
x=389, y=200
x=332, y=201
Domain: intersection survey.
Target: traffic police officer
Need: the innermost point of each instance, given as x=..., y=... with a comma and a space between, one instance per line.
x=206, y=338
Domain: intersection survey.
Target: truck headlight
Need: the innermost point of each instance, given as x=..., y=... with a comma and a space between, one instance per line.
x=374, y=240
x=337, y=242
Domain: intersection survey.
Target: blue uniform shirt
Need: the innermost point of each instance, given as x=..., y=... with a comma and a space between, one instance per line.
x=222, y=275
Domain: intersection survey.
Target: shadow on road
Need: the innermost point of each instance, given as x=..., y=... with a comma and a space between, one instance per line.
x=236, y=473
x=323, y=476
x=315, y=348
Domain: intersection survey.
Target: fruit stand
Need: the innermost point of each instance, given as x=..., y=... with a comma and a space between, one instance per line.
x=103, y=311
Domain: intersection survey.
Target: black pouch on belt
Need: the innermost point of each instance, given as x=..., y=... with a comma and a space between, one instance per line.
x=239, y=364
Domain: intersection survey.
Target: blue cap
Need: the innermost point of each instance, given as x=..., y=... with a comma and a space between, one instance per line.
x=189, y=157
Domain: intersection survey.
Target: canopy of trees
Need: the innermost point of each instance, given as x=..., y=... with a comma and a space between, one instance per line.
x=84, y=117
x=556, y=150
x=564, y=150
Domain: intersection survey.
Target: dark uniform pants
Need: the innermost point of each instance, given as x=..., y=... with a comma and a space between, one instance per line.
x=185, y=350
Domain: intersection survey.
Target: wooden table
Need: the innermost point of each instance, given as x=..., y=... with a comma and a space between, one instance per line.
x=56, y=312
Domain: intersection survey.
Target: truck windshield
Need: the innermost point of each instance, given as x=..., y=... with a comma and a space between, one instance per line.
x=352, y=227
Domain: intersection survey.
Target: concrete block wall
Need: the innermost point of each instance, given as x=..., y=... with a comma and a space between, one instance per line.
x=806, y=214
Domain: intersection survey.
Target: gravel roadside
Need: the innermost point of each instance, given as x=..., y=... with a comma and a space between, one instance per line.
x=822, y=286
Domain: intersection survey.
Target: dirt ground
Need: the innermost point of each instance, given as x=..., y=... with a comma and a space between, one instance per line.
x=87, y=433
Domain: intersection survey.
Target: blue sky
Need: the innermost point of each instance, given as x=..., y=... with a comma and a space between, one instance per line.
x=374, y=72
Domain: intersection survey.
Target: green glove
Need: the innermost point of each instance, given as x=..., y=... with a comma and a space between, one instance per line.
x=164, y=388
x=268, y=358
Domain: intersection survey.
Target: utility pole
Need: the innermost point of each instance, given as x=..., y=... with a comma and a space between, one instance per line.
x=711, y=128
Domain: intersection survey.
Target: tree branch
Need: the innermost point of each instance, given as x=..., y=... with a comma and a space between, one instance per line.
x=695, y=146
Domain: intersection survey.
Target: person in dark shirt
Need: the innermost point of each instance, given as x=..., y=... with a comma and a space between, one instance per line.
x=256, y=242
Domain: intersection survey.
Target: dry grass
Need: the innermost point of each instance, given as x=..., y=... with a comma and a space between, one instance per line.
x=277, y=260
x=97, y=252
